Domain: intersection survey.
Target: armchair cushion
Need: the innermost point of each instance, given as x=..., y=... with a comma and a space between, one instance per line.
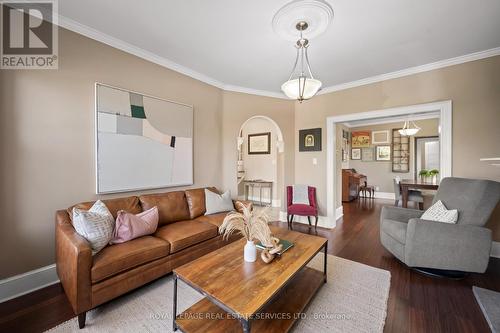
x=447, y=246
x=300, y=209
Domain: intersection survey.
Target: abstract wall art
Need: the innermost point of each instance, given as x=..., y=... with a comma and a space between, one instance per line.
x=142, y=142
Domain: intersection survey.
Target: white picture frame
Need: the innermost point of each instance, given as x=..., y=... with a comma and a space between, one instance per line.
x=381, y=137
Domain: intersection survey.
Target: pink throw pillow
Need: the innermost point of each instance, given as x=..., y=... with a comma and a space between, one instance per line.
x=130, y=226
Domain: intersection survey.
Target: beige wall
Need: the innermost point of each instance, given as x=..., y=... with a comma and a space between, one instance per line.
x=379, y=173
x=47, y=146
x=237, y=108
x=474, y=88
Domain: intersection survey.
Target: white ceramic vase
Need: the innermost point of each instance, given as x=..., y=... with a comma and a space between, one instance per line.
x=250, y=252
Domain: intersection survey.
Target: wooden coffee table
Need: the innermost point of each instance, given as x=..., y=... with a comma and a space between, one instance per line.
x=251, y=296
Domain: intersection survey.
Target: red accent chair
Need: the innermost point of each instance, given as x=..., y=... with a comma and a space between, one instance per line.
x=301, y=209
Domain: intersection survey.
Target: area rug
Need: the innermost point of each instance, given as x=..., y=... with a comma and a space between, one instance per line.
x=489, y=301
x=353, y=300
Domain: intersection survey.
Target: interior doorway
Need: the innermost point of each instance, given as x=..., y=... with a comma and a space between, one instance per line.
x=426, y=154
x=259, y=162
x=334, y=151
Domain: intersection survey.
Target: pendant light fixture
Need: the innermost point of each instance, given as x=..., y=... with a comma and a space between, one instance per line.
x=301, y=84
x=409, y=128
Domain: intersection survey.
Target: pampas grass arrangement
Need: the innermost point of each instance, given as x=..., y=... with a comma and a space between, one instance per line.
x=250, y=224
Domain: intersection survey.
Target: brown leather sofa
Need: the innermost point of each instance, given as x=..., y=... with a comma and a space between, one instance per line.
x=184, y=233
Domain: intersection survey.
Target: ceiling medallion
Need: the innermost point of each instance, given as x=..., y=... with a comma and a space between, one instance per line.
x=302, y=18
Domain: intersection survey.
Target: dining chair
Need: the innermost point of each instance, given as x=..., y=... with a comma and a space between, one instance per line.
x=413, y=195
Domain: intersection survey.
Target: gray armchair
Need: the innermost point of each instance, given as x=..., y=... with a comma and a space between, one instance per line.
x=464, y=246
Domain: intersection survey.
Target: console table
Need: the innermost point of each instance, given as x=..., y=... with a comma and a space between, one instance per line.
x=260, y=184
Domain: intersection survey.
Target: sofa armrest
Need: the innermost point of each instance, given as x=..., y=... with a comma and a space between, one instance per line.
x=399, y=214
x=239, y=203
x=448, y=246
x=73, y=262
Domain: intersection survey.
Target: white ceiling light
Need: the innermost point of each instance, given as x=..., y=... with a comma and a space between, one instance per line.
x=301, y=84
x=311, y=18
x=409, y=128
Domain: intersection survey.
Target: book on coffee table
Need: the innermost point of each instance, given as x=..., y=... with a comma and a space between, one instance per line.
x=286, y=246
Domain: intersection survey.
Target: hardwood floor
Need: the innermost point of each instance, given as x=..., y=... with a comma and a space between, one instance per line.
x=416, y=303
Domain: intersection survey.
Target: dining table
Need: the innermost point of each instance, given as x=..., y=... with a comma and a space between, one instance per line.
x=418, y=184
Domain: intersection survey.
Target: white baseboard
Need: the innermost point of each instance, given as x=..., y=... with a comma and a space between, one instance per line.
x=25, y=283
x=495, y=250
x=381, y=195
x=339, y=212
x=322, y=220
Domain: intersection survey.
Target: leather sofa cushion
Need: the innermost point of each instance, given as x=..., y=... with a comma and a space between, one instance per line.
x=196, y=202
x=172, y=206
x=215, y=219
x=183, y=234
x=128, y=204
x=118, y=258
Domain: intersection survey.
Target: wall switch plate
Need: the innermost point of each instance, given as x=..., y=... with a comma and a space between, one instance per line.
x=315, y=161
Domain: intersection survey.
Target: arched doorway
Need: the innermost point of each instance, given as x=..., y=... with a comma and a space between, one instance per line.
x=266, y=166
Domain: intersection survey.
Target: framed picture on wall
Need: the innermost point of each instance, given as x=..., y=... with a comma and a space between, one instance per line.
x=400, y=152
x=355, y=153
x=383, y=153
x=360, y=139
x=136, y=131
x=367, y=154
x=345, y=151
x=259, y=143
x=310, y=139
x=381, y=137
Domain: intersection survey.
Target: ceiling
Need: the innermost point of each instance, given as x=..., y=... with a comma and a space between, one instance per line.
x=231, y=43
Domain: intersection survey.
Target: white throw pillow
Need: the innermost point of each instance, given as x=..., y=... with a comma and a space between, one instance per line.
x=95, y=225
x=300, y=194
x=216, y=203
x=439, y=213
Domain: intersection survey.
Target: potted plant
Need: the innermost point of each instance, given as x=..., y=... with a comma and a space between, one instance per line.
x=433, y=174
x=252, y=226
x=423, y=174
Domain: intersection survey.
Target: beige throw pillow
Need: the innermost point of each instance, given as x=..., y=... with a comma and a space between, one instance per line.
x=217, y=203
x=95, y=225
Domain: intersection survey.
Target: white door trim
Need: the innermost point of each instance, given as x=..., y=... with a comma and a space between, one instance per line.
x=445, y=122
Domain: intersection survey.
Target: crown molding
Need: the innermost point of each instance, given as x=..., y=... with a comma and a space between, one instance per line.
x=99, y=36
x=251, y=91
x=393, y=119
x=413, y=70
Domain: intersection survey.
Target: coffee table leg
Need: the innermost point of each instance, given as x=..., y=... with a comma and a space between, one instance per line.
x=325, y=263
x=174, y=327
x=246, y=325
